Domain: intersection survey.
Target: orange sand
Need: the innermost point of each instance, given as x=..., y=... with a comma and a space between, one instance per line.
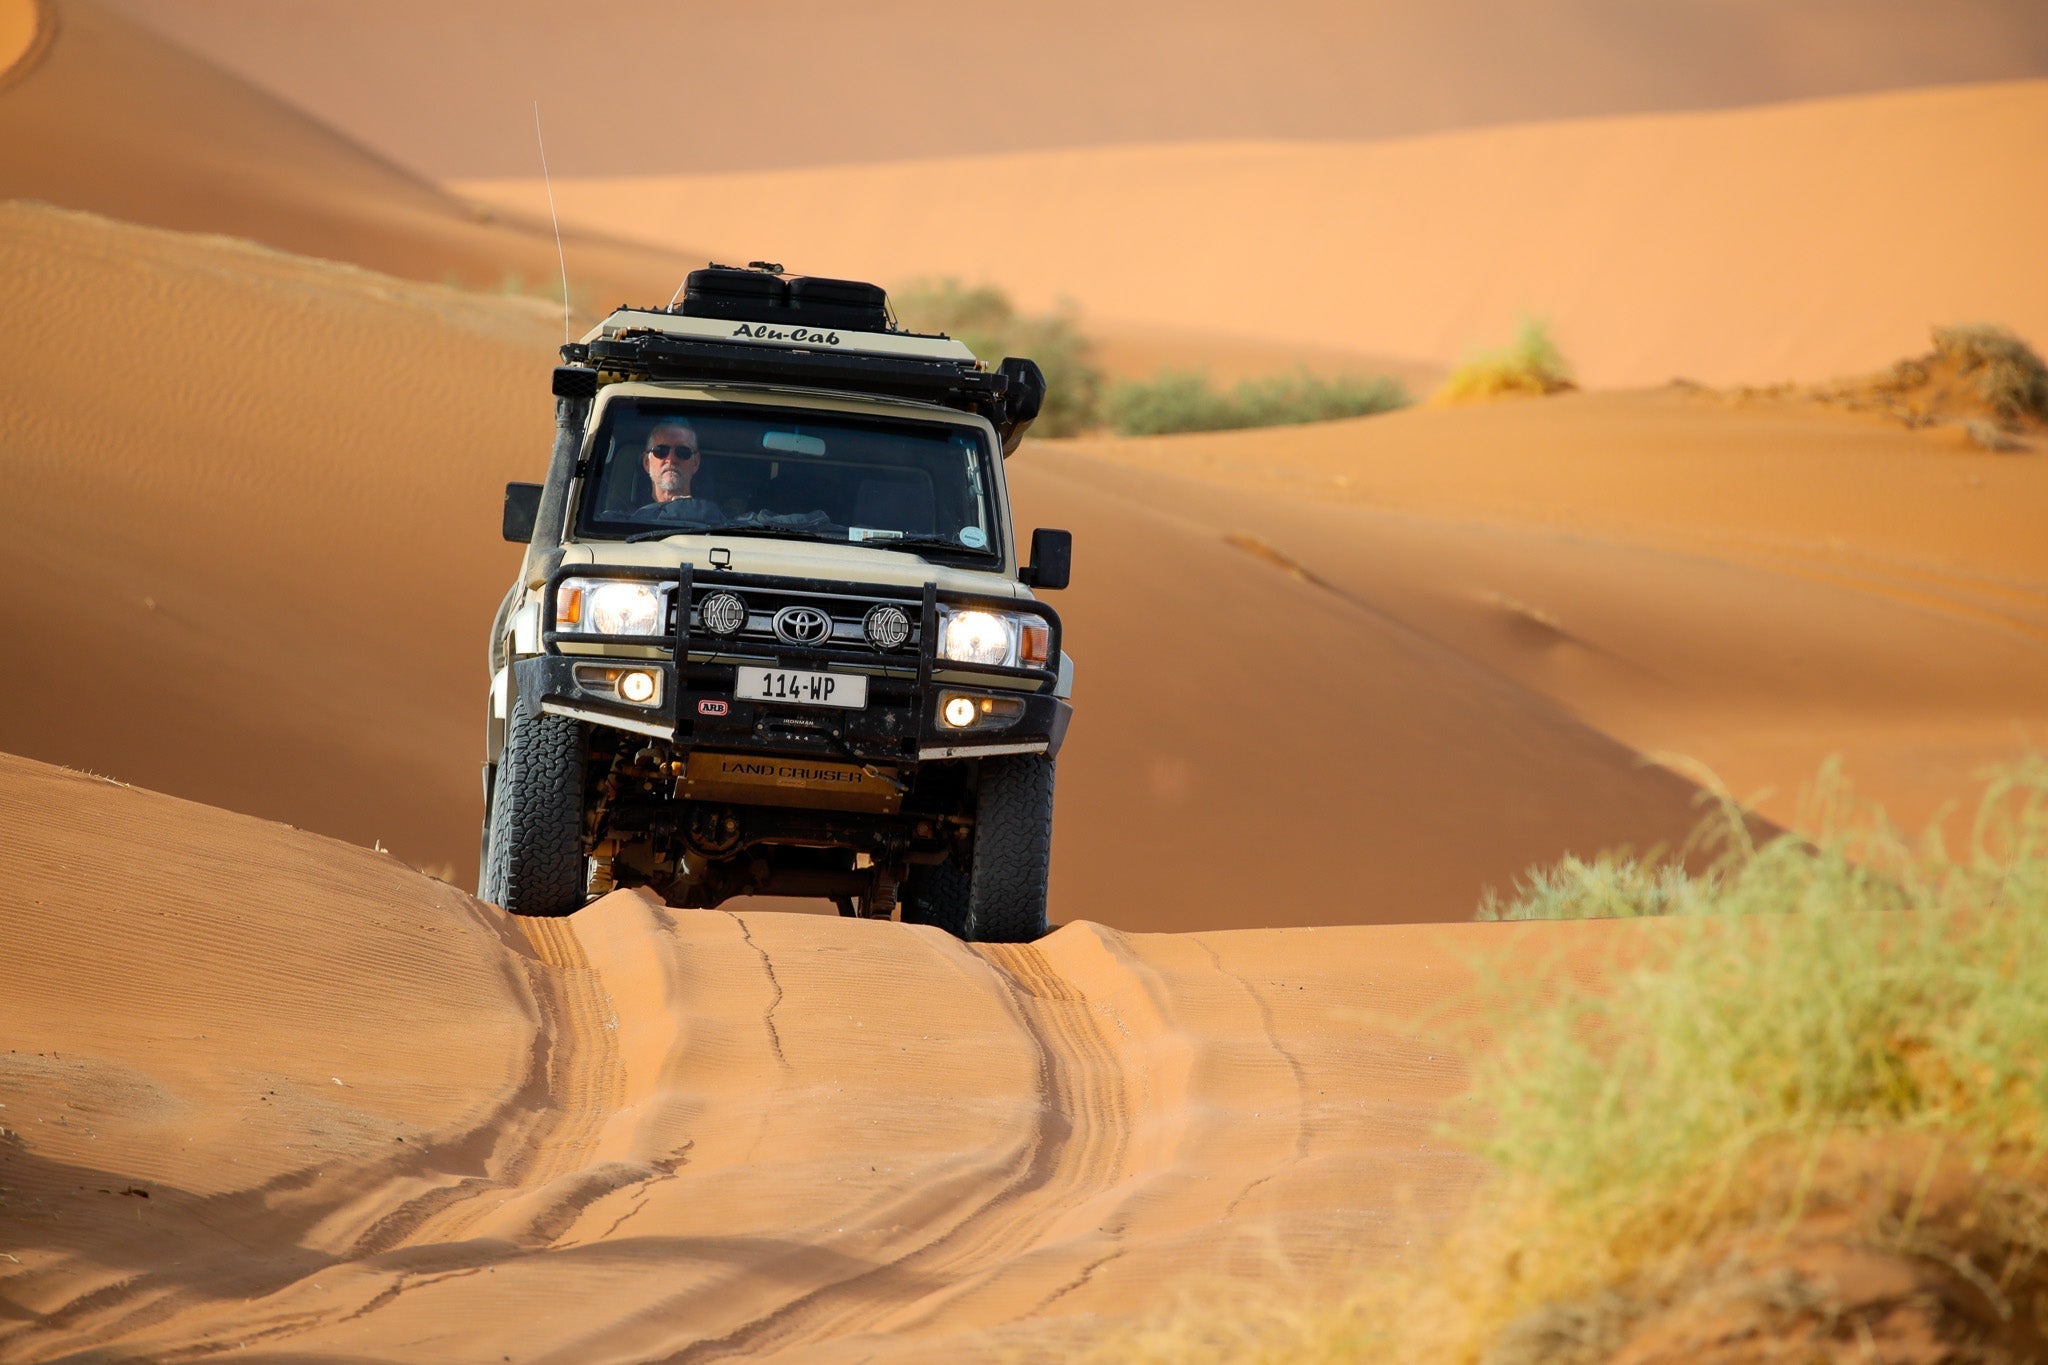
x=271, y=1094
x=1753, y=245
x=108, y=117
x=1756, y=585
x=669, y=88
x=646, y=1134
x=22, y=30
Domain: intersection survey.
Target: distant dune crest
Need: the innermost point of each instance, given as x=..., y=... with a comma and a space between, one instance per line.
x=445, y=88
x=1789, y=242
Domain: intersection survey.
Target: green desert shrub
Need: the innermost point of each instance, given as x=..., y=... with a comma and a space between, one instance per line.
x=1806, y=996
x=2010, y=377
x=1532, y=365
x=1611, y=886
x=1811, y=984
x=1845, y=985
x=984, y=317
x=1183, y=400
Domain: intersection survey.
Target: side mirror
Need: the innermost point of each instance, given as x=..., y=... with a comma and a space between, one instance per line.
x=522, y=510
x=1052, y=559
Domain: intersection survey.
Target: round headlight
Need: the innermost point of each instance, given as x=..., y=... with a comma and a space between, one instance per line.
x=978, y=637
x=722, y=613
x=623, y=609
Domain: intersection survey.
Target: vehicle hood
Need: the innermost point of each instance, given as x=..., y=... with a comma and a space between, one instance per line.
x=794, y=559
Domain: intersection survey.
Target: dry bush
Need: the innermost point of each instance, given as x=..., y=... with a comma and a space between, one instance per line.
x=1980, y=379
x=984, y=318
x=1181, y=400
x=1531, y=367
x=2009, y=376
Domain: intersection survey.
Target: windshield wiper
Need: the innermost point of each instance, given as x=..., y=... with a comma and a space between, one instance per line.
x=742, y=529
x=924, y=543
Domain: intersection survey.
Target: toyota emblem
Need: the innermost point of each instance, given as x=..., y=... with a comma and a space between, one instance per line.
x=802, y=626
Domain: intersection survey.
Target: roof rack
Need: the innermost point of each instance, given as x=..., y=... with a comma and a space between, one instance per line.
x=754, y=326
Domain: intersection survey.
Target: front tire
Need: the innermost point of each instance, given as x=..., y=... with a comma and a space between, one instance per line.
x=533, y=861
x=1012, y=850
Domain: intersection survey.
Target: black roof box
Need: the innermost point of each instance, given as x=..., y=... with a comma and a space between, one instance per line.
x=722, y=291
x=851, y=304
x=739, y=295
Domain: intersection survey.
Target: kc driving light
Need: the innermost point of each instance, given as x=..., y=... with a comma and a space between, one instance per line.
x=608, y=606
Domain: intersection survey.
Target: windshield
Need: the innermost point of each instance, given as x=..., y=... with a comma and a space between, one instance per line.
x=663, y=468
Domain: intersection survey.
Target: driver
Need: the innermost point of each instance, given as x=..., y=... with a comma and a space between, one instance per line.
x=672, y=458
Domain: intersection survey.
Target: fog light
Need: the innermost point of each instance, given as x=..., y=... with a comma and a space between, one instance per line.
x=959, y=712
x=637, y=687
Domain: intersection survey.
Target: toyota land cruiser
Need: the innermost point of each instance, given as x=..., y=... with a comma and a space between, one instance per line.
x=771, y=634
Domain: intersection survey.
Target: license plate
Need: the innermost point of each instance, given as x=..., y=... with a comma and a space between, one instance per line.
x=796, y=688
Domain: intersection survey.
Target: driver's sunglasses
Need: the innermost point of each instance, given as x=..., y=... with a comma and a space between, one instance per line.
x=672, y=452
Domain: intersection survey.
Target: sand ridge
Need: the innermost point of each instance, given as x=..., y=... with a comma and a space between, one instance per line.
x=1827, y=585
x=25, y=33
x=112, y=119
x=446, y=89
x=829, y=1136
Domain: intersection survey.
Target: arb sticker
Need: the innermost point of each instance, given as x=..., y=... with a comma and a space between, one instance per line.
x=711, y=706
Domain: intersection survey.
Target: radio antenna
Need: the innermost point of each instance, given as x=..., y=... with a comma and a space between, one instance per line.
x=560, y=259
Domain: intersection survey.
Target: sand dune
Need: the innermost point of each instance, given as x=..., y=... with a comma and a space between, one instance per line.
x=316, y=654
x=22, y=32
x=1755, y=245
x=1755, y=585
x=106, y=116
x=646, y=1134
x=446, y=88
x=271, y=1094
x=1483, y=597
x=250, y=498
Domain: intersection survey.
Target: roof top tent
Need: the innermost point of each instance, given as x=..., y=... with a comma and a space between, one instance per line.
x=757, y=325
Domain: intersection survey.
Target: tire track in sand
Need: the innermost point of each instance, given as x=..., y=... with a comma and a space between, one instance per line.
x=542, y=1129
x=1077, y=1148
x=583, y=1082
x=532, y=1155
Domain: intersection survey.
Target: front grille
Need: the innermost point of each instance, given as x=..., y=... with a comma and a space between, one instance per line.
x=847, y=610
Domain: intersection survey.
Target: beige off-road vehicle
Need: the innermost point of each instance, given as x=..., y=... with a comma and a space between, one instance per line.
x=772, y=633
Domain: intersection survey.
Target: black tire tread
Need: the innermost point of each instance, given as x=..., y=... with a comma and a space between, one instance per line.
x=536, y=864
x=1012, y=850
